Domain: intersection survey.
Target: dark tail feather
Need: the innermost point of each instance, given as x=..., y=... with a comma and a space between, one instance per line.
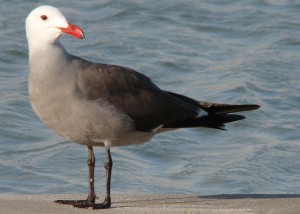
x=215, y=108
x=217, y=114
x=210, y=121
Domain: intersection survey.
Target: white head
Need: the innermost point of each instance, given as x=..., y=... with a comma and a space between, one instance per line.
x=46, y=24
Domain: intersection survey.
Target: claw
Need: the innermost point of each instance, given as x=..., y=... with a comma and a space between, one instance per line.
x=86, y=204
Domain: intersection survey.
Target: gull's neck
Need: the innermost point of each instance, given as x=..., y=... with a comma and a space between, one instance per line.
x=42, y=52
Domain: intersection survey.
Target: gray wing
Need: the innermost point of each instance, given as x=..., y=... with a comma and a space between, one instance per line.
x=134, y=94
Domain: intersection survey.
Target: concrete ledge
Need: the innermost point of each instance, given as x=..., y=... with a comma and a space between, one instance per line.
x=139, y=203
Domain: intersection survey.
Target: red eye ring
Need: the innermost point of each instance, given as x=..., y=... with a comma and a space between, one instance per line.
x=44, y=17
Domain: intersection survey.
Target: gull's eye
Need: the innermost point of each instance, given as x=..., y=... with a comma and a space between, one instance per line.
x=44, y=17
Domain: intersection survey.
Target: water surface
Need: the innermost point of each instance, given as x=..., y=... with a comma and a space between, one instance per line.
x=221, y=51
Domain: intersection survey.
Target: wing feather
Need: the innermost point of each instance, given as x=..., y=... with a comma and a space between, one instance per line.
x=134, y=94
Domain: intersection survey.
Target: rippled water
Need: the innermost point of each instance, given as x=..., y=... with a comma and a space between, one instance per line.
x=222, y=51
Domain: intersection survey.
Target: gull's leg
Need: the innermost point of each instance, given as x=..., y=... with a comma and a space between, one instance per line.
x=90, y=201
x=108, y=169
x=91, y=163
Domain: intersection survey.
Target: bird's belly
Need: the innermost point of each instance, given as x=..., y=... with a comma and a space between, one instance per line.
x=80, y=120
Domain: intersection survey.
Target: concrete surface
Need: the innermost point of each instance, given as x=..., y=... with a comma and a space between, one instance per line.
x=140, y=203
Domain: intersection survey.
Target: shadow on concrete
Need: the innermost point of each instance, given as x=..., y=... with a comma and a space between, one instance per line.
x=247, y=196
x=199, y=201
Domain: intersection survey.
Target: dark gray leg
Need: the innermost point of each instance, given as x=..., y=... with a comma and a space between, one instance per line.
x=108, y=168
x=91, y=163
x=90, y=201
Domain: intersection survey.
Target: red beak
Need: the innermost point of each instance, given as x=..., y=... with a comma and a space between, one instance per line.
x=73, y=30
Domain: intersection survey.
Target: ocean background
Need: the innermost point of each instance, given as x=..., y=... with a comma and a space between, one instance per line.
x=213, y=50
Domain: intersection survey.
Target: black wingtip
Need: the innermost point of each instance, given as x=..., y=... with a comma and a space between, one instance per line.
x=227, y=108
x=253, y=106
x=210, y=121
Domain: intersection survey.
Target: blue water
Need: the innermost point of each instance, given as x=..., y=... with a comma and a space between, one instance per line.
x=222, y=51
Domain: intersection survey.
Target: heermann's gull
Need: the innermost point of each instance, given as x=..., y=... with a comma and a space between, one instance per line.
x=103, y=105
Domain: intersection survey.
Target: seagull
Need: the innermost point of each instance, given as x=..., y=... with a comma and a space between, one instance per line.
x=104, y=105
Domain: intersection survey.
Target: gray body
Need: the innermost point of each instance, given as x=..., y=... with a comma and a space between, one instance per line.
x=96, y=104
x=58, y=92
